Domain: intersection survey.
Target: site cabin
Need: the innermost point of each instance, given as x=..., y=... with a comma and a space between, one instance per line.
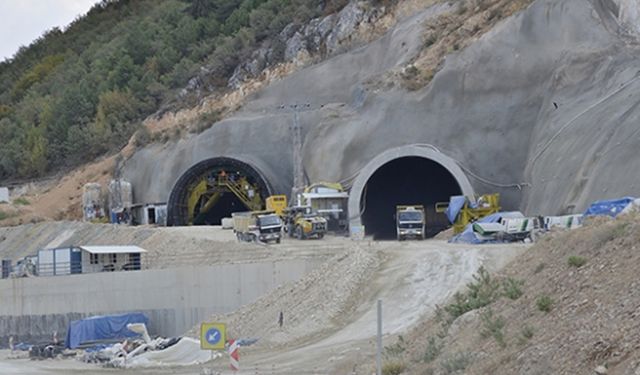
x=88, y=259
x=149, y=214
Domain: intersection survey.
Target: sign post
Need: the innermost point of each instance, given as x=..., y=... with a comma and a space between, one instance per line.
x=234, y=355
x=213, y=336
x=379, y=340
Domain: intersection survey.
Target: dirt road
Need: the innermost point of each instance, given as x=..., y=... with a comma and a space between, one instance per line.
x=411, y=280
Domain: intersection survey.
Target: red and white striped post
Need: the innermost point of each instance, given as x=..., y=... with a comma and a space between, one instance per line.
x=234, y=355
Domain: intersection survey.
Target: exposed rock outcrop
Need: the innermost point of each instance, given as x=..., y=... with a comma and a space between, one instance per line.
x=322, y=37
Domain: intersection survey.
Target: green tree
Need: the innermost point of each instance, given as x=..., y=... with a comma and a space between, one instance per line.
x=36, y=155
x=201, y=8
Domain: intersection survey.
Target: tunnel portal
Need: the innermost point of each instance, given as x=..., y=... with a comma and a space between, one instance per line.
x=215, y=188
x=406, y=181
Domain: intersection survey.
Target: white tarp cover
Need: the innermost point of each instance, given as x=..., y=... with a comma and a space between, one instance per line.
x=4, y=194
x=633, y=206
x=186, y=352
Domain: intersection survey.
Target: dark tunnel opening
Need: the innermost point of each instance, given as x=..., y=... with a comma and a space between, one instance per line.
x=226, y=205
x=214, y=189
x=406, y=181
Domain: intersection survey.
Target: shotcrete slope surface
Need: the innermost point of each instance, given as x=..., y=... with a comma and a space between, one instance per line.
x=541, y=109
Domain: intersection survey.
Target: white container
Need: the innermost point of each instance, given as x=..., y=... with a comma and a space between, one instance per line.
x=227, y=223
x=4, y=195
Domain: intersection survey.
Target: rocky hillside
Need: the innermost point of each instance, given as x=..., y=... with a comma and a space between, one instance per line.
x=81, y=92
x=568, y=305
x=532, y=99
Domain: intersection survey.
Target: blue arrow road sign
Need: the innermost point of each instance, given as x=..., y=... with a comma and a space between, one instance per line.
x=213, y=336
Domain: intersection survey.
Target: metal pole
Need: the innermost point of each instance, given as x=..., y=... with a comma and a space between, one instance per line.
x=379, y=340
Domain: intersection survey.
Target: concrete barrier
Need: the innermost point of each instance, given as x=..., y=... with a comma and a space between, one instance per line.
x=174, y=299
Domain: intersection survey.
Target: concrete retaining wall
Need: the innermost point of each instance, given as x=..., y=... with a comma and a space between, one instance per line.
x=174, y=299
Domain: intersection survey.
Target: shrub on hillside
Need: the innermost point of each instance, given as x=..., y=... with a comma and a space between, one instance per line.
x=493, y=326
x=434, y=347
x=21, y=201
x=512, y=288
x=456, y=363
x=480, y=292
x=576, y=261
x=395, y=367
x=544, y=303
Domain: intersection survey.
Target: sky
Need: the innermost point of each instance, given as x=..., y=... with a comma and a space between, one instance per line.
x=22, y=21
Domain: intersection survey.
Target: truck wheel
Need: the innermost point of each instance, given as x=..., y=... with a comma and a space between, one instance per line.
x=277, y=240
x=299, y=234
x=320, y=236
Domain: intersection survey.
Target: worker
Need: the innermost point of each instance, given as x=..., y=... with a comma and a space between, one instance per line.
x=281, y=319
x=125, y=216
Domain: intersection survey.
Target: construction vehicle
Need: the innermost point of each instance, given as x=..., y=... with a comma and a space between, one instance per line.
x=277, y=204
x=206, y=193
x=302, y=224
x=508, y=229
x=329, y=200
x=461, y=211
x=410, y=222
x=257, y=226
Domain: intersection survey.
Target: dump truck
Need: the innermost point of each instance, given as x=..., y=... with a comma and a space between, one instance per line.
x=302, y=224
x=257, y=226
x=410, y=222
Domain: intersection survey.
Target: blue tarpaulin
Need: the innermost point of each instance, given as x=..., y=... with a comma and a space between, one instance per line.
x=610, y=207
x=455, y=205
x=102, y=327
x=468, y=236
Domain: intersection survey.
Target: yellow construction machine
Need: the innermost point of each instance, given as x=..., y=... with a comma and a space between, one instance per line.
x=469, y=212
x=207, y=192
x=277, y=204
x=302, y=224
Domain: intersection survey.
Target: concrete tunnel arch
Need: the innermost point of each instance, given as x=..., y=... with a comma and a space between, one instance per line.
x=397, y=160
x=177, y=211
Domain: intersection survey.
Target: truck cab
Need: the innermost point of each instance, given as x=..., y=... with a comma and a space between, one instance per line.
x=269, y=227
x=410, y=222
